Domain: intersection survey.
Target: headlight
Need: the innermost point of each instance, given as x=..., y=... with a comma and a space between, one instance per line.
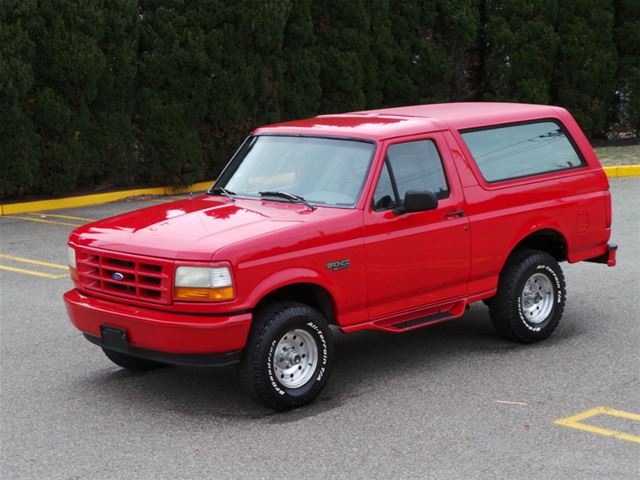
x=203, y=283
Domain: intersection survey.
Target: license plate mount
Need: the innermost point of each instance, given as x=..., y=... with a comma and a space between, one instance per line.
x=114, y=338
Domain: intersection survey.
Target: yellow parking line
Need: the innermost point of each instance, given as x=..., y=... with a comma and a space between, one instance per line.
x=41, y=220
x=575, y=422
x=69, y=217
x=32, y=272
x=35, y=262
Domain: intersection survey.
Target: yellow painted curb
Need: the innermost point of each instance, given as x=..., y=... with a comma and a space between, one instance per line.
x=623, y=171
x=96, y=199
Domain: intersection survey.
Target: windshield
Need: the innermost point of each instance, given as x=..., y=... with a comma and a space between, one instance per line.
x=323, y=171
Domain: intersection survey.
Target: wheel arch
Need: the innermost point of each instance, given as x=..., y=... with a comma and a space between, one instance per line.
x=310, y=294
x=546, y=239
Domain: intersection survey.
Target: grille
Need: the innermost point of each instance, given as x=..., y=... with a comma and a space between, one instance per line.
x=141, y=279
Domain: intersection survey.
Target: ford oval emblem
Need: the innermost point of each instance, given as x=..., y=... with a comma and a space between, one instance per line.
x=117, y=276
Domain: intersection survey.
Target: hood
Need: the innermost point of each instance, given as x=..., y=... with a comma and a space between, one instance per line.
x=196, y=228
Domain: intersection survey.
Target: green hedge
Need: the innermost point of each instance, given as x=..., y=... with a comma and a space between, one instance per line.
x=103, y=93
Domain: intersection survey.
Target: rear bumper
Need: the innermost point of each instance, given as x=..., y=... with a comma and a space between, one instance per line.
x=608, y=257
x=165, y=333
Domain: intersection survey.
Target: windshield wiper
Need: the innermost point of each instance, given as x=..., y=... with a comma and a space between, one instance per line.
x=287, y=196
x=222, y=191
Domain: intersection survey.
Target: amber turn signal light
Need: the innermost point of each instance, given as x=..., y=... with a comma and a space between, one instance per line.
x=193, y=293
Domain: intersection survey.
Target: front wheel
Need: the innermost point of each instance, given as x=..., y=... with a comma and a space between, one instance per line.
x=288, y=356
x=530, y=299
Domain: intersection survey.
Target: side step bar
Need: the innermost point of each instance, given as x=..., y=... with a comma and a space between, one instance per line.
x=413, y=319
x=436, y=317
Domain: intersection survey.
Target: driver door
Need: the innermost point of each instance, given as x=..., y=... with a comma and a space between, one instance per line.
x=416, y=259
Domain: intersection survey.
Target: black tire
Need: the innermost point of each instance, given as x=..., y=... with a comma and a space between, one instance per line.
x=259, y=375
x=507, y=308
x=134, y=364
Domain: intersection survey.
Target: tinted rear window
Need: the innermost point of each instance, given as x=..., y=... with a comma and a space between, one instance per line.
x=521, y=150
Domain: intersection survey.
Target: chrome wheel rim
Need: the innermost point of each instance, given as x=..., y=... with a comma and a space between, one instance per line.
x=537, y=298
x=295, y=358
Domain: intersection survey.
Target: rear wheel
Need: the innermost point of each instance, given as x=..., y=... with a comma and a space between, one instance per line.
x=131, y=363
x=530, y=299
x=288, y=356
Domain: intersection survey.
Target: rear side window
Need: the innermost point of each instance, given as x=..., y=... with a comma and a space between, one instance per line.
x=516, y=151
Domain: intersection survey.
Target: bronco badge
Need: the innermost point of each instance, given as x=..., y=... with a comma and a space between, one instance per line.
x=339, y=264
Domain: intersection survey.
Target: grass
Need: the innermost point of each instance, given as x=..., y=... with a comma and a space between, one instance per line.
x=624, y=155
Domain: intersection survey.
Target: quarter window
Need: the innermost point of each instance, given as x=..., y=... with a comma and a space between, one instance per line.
x=410, y=166
x=514, y=151
x=384, y=197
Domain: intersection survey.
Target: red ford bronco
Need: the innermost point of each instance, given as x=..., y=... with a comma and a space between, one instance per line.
x=389, y=220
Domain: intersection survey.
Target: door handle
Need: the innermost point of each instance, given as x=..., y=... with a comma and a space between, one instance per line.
x=459, y=213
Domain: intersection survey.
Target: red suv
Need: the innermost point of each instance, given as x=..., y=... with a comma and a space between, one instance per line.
x=387, y=219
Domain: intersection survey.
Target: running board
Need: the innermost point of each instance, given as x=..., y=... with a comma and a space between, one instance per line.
x=413, y=319
x=436, y=317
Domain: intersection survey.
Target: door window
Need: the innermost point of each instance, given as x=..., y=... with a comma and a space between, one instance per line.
x=410, y=166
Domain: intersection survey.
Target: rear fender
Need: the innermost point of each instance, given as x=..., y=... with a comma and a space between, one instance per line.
x=533, y=226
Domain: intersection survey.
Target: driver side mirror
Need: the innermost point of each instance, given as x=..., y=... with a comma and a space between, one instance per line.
x=418, y=201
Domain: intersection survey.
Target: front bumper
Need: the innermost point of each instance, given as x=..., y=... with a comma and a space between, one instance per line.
x=183, y=359
x=174, y=335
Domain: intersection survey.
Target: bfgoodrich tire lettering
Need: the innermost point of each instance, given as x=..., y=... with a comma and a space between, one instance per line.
x=276, y=370
x=531, y=297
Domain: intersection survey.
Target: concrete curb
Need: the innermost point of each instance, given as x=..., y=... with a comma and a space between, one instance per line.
x=100, y=198
x=96, y=199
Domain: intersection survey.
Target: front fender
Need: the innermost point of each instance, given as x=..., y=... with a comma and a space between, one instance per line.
x=284, y=278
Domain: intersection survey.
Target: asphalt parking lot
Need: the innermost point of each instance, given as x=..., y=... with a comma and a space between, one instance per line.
x=450, y=401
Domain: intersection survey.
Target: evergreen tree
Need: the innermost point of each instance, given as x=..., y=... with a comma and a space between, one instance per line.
x=423, y=69
x=301, y=91
x=173, y=83
x=342, y=44
x=210, y=72
x=112, y=135
x=377, y=59
x=456, y=32
x=628, y=78
x=68, y=66
x=520, y=48
x=18, y=139
x=585, y=71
